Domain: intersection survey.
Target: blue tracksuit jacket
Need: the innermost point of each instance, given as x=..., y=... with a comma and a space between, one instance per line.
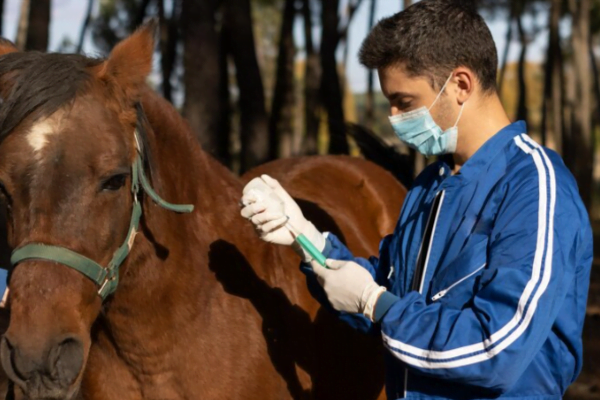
x=500, y=307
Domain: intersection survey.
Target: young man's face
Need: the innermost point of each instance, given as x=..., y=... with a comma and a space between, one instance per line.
x=407, y=93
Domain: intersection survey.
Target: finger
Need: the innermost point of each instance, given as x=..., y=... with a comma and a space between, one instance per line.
x=255, y=184
x=273, y=225
x=268, y=237
x=277, y=188
x=266, y=217
x=249, y=198
x=271, y=182
x=321, y=280
x=255, y=194
x=253, y=209
x=335, y=264
x=315, y=264
x=321, y=272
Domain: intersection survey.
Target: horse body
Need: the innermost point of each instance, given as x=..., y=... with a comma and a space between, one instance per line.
x=226, y=315
x=170, y=312
x=204, y=309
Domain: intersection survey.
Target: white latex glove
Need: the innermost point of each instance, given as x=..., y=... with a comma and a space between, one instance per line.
x=349, y=287
x=271, y=210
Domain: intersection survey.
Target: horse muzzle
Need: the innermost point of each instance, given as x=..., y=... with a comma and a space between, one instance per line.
x=49, y=372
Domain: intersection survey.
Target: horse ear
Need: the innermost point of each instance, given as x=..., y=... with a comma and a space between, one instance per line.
x=6, y=46
x=130, y=62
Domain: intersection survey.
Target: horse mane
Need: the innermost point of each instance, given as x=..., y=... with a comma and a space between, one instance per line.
x=34, y=83
x=39, y=84
x=172, y=141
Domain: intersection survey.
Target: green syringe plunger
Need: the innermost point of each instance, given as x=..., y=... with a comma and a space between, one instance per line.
x=311, y=249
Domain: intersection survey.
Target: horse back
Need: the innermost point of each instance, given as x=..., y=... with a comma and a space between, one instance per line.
x=351, y=197
x=360, y=203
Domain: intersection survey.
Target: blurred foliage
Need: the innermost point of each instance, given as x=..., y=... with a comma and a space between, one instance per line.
x=116, y=19
x=267, y=17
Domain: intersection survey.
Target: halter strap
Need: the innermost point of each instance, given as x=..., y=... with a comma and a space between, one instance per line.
x=88, y=267
x=107, y=278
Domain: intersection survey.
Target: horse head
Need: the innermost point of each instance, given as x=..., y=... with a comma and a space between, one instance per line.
x=70, y=173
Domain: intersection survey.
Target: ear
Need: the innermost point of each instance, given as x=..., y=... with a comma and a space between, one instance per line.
x=465, y=79
x=6, y=46
x=130, y=62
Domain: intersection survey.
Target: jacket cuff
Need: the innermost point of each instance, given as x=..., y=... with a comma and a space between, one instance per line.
x=328, y=246
x=385, y=302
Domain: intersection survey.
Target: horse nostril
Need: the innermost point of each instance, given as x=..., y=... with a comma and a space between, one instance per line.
x=7, y=357
x=66, y=360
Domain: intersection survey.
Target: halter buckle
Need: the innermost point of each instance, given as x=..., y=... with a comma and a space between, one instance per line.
x=101, y=290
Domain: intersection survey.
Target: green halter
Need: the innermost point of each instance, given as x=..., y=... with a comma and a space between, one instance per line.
x=107, y=278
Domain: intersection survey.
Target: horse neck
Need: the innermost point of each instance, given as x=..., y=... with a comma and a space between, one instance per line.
x=187, y=174
x=173, y=248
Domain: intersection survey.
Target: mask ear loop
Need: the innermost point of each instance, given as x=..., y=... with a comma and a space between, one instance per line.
x=460, y=114
x=441, y=91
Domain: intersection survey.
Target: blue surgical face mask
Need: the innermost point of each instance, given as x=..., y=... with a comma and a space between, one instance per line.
x=418, y=130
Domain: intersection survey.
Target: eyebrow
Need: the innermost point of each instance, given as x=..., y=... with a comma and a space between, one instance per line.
x=396, y=95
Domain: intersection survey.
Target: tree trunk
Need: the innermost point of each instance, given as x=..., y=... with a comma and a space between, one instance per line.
x=202, y=76
x=522, y=112
x=141, y=15
x=596, y=113
x=21, y=36
x=596, y=75
x=39, y=23
x=553, y=102
x=351, y=8
x=312, y=77
x=417, y=160
x=254, y=122
x=169, y=37
x=581, y=151
x=505, y=52
x=86, y=24
x=370, y=100
x=281, y=123
x=225, y=102
x=1, y=18
x=331, y=91
x=34, y=22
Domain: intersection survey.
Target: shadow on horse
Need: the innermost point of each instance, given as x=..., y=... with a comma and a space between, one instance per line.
x=203, y=308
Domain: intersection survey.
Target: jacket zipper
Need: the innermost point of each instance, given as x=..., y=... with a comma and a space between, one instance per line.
x=442, y=293
x=421, y=266
x=437, y=214
x=424, y=267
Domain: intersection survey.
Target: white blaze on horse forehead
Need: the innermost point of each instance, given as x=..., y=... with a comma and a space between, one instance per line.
x=38, y=135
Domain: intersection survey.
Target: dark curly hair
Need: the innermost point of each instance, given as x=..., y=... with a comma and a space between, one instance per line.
x=431, y=38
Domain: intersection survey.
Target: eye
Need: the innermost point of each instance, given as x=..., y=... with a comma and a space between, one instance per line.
x=5, y=199
x=114, y=183
x=404, y=105
x=4, y=193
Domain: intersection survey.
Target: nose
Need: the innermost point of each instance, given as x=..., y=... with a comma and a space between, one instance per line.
x=46, y=373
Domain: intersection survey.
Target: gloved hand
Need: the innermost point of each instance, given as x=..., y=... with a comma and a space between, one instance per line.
x=271, y=210
x=349, y=287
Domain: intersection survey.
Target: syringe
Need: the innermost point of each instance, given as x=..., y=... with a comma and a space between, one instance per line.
x=306, y=244
x=302, y=240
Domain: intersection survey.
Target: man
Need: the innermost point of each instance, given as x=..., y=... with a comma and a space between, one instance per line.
x=481, y=290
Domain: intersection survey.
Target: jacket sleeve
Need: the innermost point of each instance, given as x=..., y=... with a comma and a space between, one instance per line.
x=531, y=263
x=335, y=249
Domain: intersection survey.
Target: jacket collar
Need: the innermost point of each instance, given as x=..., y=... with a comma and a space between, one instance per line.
x=486, y=154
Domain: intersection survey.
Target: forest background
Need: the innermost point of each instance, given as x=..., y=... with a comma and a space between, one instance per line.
x=265, y=79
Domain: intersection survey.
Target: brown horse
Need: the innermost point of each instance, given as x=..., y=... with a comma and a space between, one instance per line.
x=203, y=308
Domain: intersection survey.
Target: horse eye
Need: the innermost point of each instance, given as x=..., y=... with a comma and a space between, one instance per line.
x=114, y=183
x=4, y=193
